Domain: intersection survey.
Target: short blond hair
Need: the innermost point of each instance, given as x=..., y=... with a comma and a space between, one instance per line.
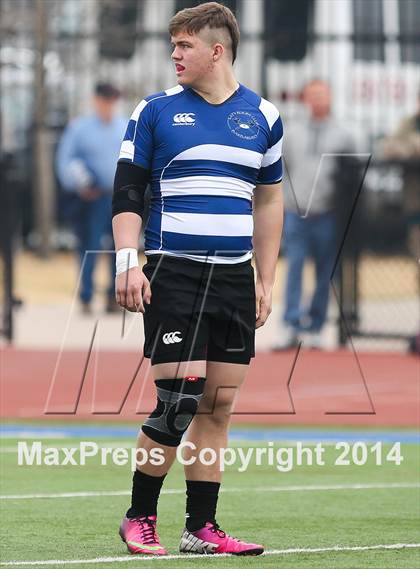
x=212, y=15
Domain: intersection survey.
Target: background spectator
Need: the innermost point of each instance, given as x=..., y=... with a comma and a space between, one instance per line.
x=86, y=162
x=404, y=145
x=310, y=221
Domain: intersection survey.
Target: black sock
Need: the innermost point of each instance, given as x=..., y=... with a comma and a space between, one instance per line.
x=201, y=503
x=145, y=494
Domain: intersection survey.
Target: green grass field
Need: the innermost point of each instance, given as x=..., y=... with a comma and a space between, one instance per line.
x=261, y=504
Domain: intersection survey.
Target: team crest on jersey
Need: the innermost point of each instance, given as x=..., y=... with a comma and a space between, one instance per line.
x=243, y=124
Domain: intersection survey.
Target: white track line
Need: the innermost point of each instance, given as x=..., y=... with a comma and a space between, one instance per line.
x=335, y=548
x=312, y=488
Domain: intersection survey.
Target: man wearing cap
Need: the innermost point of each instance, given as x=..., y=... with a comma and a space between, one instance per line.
x=86, y=160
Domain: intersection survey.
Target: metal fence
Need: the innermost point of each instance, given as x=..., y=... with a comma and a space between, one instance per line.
x=10, y=219
x=378, y=267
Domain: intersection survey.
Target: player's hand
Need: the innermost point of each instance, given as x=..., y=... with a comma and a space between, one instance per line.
x=263, y=298
x=132, y=290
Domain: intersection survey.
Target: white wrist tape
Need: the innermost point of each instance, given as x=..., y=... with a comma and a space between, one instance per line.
x=126, y=259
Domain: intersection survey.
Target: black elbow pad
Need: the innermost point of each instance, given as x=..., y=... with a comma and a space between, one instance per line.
x=130, y=185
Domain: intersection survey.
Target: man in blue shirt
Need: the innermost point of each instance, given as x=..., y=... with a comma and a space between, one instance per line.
x=211, y=150
x=86, y=160
x=310, y=224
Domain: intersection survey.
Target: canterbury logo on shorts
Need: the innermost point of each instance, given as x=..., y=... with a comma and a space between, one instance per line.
x=184, y=118
x=172, y=338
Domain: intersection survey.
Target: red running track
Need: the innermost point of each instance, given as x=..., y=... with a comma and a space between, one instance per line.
x=322, y=388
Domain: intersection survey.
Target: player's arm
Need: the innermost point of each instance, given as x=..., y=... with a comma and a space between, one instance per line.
x=131, y=285
x=268, y=225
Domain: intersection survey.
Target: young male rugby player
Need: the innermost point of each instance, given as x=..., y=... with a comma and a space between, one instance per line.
x=211, y=150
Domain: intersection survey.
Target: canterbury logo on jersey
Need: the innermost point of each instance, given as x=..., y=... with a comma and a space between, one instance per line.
x=172, y=338
x=187, y=119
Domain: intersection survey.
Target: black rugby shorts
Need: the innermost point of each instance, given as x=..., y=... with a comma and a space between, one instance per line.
x=199, y=311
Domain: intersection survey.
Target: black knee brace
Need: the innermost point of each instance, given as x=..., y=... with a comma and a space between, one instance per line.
x=177, y=403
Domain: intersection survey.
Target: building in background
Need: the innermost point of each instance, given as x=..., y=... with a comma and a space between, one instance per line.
x=368, y=51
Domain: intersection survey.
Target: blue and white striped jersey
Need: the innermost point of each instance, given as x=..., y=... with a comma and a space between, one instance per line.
x=205, y=161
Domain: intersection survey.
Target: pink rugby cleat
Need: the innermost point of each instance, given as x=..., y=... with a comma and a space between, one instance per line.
x=211, y=539
x=140, y=536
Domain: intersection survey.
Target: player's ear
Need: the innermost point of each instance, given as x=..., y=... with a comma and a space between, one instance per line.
x=218, y=51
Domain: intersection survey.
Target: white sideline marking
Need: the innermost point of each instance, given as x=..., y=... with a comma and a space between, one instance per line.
x=313, y=488
x=206, y=557
x=13, y=449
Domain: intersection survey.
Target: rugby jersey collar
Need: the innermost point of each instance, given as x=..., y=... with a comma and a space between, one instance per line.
x=238, y=91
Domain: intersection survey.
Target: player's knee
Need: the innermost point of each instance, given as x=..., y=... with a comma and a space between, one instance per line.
x=216, y=409
x=177, y=404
